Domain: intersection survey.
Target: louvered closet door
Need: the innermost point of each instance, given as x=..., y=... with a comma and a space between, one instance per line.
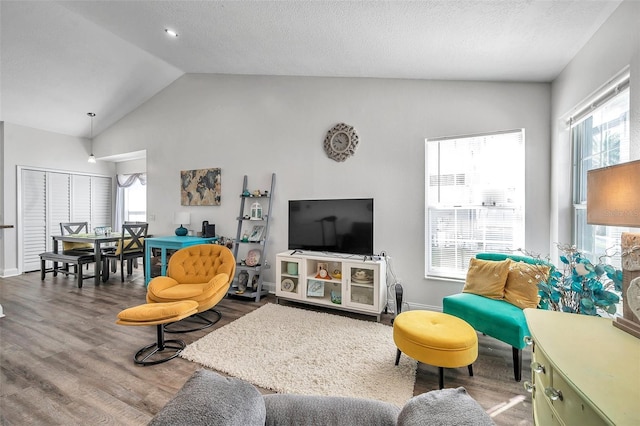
x=81, y=200
x=34, y=218
x=48, y=198
x=59, y=205
x=101, y=214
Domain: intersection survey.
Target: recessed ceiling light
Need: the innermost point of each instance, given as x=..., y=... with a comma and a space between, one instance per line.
x=171, y=32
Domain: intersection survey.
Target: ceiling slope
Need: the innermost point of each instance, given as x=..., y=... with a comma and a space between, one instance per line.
x=62, y=59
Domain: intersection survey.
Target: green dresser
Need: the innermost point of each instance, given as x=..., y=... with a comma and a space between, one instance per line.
x=584, y=371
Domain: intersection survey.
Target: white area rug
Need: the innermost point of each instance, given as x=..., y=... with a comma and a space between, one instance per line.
x=292, y=350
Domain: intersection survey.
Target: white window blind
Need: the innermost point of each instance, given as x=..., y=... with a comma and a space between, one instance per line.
x=600, y=138
x=474, y=199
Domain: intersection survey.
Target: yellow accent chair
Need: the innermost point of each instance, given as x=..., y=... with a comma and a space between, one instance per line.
x=202, y=273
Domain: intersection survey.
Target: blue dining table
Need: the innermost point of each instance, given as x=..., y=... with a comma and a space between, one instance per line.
x=170, y=242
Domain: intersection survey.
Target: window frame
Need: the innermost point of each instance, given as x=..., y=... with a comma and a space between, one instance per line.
x=467, y=239
x=594, y=241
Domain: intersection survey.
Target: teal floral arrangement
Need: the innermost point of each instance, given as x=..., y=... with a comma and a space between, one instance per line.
x=578, y=286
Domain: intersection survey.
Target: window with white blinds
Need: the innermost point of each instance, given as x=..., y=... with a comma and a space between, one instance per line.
x=50, y=197
x=474, y=199
x=600, y=138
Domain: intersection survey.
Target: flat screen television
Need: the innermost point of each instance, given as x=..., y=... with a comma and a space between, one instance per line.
x=333, y=225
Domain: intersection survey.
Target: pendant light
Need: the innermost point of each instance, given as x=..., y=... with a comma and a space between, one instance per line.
x=92, y=158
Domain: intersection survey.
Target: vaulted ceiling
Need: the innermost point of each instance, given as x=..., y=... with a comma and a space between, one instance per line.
x=62, y=59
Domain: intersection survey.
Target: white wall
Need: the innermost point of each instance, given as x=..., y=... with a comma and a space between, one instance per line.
x=24, y=146
x=257, y=125
x=131, y=167
x=615, y=46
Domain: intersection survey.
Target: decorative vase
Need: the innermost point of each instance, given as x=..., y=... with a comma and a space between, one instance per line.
x=243, y=280
x=181, y=231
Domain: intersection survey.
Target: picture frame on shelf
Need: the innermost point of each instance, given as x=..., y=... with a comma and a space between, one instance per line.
x=256, y=233
x=315, y=288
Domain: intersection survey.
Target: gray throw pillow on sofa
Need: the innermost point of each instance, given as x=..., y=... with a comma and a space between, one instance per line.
x=445, y=407
x=208, y=398
x=307, y=410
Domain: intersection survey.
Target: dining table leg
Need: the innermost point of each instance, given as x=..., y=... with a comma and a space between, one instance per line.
x=97, y=269
x=55, y=264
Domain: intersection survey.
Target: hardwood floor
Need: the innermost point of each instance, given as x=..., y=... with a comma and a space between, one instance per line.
x=64, y=361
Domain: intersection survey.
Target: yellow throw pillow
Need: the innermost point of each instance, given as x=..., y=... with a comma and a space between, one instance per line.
x=521, y=288
x=67, y=245
x=133, y=249
x=487, y=277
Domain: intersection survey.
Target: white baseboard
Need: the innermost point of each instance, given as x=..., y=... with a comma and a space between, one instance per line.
x=5, y=273
x=418, y=306
x=270, y=287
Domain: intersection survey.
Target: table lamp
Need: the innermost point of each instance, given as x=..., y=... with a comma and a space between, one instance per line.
x=181, y=218
x=613, y=198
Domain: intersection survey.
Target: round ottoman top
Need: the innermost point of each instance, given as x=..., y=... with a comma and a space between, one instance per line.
x=435, y=330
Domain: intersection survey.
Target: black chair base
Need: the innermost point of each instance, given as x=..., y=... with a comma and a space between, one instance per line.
x=440, y=370
x=166, y=349
x=180, y=326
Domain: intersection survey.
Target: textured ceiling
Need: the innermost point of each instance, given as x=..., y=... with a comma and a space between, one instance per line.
x=62, y=59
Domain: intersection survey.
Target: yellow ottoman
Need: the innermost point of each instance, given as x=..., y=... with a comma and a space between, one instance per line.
x=158, y=314
x=436, y=339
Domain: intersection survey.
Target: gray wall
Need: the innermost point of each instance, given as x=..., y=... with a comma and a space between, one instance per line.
x=257, y=125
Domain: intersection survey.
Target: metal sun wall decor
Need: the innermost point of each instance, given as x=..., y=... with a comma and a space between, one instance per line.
x=200, y=187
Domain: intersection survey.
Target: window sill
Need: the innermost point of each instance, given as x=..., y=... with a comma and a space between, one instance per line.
x=445, y=279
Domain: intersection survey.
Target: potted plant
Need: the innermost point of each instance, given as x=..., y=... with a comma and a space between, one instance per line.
x=578, y=286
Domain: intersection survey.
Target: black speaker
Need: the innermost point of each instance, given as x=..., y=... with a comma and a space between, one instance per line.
x=209, y=230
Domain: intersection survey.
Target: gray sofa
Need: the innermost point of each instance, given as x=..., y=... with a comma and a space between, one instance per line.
x=208, y=398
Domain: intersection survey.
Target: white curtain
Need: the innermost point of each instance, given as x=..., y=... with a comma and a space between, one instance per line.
x=125, y=181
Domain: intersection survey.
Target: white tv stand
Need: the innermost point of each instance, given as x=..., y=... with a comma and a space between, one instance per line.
x=351, y=284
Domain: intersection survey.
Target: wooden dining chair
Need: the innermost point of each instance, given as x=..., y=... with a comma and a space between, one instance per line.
x=72, y=248
x=70, y=228
x=130, y=246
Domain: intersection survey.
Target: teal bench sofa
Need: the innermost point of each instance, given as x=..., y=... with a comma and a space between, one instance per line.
x=496, y=318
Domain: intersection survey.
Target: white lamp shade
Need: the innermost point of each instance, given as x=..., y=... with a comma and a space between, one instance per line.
x=181, y=218
x=613, y=195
